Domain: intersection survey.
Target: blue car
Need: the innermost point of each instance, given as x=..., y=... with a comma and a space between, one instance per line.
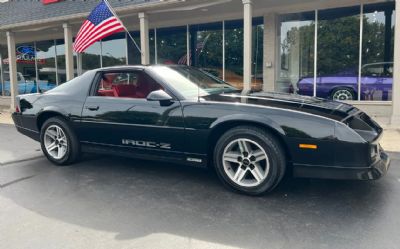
x=24, y=86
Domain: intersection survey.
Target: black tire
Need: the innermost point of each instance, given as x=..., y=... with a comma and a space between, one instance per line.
x=73, y=147
x=351, y=95
x=273, y=149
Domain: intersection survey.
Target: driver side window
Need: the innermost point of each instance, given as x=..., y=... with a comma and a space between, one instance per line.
x=126, y=85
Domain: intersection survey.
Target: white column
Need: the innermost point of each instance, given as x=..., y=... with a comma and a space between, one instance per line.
x=69, y=55
x=270, y=52
x=12, y=63
x=144, y=38
x=395, y=119
x=247, y=48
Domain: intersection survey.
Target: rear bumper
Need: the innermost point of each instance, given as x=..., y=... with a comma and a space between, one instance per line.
x=373, y=172
x=17, y=118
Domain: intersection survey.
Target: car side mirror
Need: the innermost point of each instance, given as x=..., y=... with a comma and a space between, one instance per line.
x=160, y=95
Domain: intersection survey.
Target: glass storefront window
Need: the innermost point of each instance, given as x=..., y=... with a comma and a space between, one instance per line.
x=3, y=69
x=296, y=53
x=134, y=56
x=152, y=44
x=234, y=53
x=171, y=45
x=26, y=71
x=91, y=57
x=60, y=51
x=338, y=53
x=258, y=56
x=113, y=50
x=46, y=70
x=377, y=52
x=206, y=48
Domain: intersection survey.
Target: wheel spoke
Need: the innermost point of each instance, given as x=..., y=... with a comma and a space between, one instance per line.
x=51, y=147
x=239, y=174
x=58, y=132
x=50, y=134
x=243, y=146
x=257, y=173
x=60, y=152
x=259, y=155
x=231, y=157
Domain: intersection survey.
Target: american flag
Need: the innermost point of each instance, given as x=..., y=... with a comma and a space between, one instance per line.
x=100, y=23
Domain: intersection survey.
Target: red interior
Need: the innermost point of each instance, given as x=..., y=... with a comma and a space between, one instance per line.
x=143, y=87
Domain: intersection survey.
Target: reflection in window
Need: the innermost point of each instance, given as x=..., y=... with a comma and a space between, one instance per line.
x=91, y=57
x=3, y=69
x=257, y=67
x=47, y=74
x=113, y=50
x=234, y=53
x=206, y=39
x=171, y=45
x=296, y=54
x=60, y=51
x=26, y=55
x=134, y=56
x=338, y=53
x=377, y=52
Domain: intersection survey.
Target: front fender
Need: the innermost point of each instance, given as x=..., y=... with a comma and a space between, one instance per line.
x=261, y=120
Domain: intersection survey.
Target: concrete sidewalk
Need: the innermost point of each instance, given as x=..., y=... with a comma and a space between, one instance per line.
x=5, y=116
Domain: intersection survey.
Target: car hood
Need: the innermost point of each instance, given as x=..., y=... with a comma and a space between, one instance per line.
x=317, y=106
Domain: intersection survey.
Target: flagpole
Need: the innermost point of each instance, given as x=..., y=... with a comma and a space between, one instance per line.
x=115, y=14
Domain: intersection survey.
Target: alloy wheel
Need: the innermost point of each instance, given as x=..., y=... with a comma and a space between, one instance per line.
x=245, y=162
x=342, y=94
x=55, y=142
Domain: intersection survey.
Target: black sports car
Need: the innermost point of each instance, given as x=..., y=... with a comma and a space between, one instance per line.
x=181, y=114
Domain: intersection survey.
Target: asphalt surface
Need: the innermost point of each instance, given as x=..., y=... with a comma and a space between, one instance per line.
x=107, y=202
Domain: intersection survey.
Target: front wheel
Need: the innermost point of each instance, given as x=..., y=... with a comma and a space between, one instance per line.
x=58, y=142
x=249, y=160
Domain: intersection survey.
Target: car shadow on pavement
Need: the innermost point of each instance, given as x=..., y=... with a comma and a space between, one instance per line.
x=137, y=199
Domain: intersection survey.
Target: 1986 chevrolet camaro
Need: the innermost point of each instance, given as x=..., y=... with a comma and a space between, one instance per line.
x=181, y=114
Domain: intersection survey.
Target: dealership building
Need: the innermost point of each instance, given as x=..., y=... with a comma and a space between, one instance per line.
x=345, y=49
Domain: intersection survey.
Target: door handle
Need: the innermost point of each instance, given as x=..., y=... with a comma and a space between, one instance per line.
x=92, y=108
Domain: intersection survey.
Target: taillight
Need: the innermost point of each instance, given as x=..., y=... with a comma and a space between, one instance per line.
x=17, y=109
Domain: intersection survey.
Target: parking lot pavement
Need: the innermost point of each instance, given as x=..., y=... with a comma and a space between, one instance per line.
x=106, y=202
x=15, y=146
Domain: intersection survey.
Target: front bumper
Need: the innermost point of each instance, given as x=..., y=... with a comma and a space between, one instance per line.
x=378, y=169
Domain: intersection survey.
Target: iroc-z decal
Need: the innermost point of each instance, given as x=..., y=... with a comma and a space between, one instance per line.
x=147, y=144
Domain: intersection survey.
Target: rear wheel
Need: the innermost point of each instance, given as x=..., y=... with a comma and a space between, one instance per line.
x=59, y=142
x=249, y=160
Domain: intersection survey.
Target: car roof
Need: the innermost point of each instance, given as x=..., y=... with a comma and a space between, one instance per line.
x=135, y=67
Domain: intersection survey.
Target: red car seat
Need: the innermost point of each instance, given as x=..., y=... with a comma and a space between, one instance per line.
x=145, y=85
x=107, y=93
x=125, y=90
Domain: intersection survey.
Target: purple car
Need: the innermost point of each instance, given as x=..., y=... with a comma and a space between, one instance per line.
x=376, y=84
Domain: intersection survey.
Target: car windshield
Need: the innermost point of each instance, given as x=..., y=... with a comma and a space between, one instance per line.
x=192, y=82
